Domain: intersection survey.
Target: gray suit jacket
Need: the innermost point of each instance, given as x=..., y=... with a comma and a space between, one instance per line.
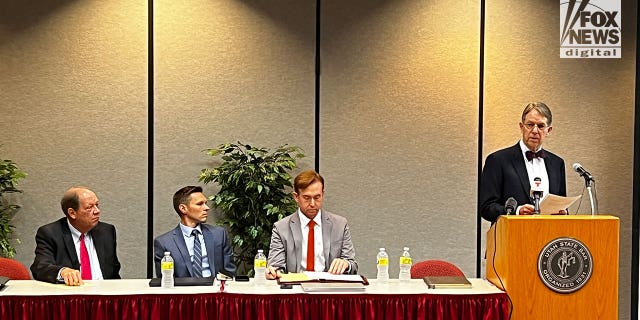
x=218, y=251
x=285, y=250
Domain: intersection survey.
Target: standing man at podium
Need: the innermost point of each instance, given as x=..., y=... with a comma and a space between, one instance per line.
x=510, y=172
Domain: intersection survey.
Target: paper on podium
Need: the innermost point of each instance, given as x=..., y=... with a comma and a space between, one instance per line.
x=552, y=204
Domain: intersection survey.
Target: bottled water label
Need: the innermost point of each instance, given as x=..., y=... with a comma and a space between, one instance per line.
x=405, y=260
x=383, y=261
x=259, y=263
x=166, y=265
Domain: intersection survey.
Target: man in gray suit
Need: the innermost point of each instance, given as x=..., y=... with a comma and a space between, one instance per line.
x=311, y=239
x=198, y=249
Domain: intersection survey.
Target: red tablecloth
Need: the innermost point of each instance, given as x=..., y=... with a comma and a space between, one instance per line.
x=256, y=307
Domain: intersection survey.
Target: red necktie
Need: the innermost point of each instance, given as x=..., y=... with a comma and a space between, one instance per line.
x=85, y=265
x=310, y=247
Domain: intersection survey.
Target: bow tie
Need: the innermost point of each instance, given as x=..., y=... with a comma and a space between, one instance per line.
x=530, y=154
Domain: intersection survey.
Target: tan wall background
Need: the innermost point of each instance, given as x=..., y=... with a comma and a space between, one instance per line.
x=73, y=111
x=398, y=126
x=398, y=109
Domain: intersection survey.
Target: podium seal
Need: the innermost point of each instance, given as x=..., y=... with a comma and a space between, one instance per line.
x=565, y=265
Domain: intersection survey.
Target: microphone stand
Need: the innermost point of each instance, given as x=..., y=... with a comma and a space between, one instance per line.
x=536, y=202
x=589, y=182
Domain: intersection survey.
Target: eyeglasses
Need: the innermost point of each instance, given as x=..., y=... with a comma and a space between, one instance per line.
x=540, y=126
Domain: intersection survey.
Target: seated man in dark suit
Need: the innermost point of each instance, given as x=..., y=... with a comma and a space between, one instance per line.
x=78, y=247
x=311, y=238
x=198, y=249
x=510, y=172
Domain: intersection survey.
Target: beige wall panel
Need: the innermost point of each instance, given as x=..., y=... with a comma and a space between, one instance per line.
x=398, y=136
x=591, y=100
x=73, y=111
x=228, y=71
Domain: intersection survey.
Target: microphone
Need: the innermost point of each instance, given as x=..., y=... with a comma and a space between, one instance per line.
x=536, y=193
x=510, y=206
x=582, y=172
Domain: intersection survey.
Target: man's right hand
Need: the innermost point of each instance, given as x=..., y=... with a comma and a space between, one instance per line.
x=526, y=209
x=71, y=277
x=271, y=273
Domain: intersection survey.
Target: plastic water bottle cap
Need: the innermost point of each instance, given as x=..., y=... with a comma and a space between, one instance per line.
x=260, y=251
x=406, y=249
x=382, y=249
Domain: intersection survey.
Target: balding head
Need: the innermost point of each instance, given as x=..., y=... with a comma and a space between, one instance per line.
x=81, y=206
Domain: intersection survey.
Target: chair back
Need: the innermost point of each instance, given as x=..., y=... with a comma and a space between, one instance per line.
x=434, y=268
x=13, y=269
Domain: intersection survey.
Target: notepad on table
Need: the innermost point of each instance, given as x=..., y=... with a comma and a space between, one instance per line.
x=449, y=282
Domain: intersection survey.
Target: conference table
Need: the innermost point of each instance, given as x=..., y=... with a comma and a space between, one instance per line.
x=135, y=299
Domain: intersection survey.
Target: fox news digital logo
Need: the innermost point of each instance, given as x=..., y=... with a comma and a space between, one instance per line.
x=590, y=29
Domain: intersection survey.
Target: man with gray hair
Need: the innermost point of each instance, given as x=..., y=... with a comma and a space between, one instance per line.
x=510, y=172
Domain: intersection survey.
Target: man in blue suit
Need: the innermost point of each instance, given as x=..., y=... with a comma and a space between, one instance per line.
x=197, y=249
x=510, y=172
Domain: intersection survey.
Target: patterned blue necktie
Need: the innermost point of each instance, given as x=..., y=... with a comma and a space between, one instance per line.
x=197, y=254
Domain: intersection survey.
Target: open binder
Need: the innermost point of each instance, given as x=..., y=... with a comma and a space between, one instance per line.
x=323, y=277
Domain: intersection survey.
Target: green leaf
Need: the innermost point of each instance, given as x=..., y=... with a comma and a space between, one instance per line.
x=255, y=192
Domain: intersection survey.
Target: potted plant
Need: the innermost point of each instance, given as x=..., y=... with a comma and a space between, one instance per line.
x=9, y=176
x=254, y=193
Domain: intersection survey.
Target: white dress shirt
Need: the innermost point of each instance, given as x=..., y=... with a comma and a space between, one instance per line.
x=535, y=169
x=318, y=261
x=96, y=272
x=189, y=239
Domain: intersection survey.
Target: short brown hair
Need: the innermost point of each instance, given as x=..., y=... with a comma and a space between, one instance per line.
x=306, y=178
x=183, y=196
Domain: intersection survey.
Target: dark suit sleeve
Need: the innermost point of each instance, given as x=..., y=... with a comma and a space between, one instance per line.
x=227, y=254
x=158, y=253
x=563, y=180
x=112, y=259
x=491, y=191
x=44, y=267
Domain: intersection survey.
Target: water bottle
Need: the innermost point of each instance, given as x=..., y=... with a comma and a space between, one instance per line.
x=383, y=266
x=405, y=265
x=259, y=268
x=166, y=265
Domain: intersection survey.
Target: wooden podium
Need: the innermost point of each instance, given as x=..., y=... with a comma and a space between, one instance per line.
x=518, y=245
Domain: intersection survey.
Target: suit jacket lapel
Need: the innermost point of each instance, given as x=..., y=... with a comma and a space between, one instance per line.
x=178, y=239
x=518, y=164
x=210, y=246
x=98, y=243
x=69, y=245
x=326, y=238
x=552, y=174
x=296, y=231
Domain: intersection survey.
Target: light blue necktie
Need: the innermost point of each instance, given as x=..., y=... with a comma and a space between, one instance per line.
x=197, y=254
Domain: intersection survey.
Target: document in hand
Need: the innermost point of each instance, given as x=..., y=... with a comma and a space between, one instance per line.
x=308, y=276
x=552, y=204
x=451, y=282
